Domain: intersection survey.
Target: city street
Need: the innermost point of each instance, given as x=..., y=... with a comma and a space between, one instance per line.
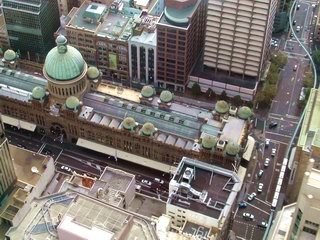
x=285, y=112
x=87, y=161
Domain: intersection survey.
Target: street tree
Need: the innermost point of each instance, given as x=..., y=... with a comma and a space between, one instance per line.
x=223, y=95
x=237, y=101
x=196, y=90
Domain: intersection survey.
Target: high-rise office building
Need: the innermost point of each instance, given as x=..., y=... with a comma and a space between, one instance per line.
x=181, y=31
x=301, y=219
x=31, y=25
x=7, y=173
x=238, y=35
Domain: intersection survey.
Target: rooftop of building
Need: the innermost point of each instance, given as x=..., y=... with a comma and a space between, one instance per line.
x=29, y=166
x=70, y=210
x=178, y=17
x=145, y=30
x=204, y=188
x=310, y=130
x=18, y=85
x=114, y=22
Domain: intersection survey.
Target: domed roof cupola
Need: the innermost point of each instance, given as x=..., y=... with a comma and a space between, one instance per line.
x=64, y=62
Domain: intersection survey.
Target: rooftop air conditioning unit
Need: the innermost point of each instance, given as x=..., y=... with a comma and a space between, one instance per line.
x=188, y=175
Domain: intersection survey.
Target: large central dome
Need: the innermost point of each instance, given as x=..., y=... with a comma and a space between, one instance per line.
x=64, y=62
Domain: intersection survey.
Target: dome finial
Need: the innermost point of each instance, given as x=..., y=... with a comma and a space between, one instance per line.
x=62, y=44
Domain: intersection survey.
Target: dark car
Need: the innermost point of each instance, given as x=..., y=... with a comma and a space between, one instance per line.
x=294, y=22
x=273, y=125
x=243, y=204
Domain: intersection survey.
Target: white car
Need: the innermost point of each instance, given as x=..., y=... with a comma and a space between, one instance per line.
x=267, y=142
x=158, y=180
x=248, y=216
x=266, y=162
x=66, y=168
x=298, y=28
x=146, y=182
x=260, y=187
x=273, y=153
x=252, y=196
x=263, y=224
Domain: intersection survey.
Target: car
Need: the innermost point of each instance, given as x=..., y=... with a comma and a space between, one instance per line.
x=138, y=188
x=298, y=6
x=273, y=152
x=158, y=180
x=243, y=204
x=313, y=5
x=263, y=224
x=267, y=142
x=260, y=187
x=294, y=22
x=298, y=28
x=260, y=173
x=266, y=162
x=291, y=35
x=146, y=182
x=65, y=168
x=252, y=196
x=295, y=67
x=273, y=125
x=248, y=216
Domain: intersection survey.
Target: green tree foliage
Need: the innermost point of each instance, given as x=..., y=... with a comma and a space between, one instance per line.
x=280, y=59
x=308, y=80
x=237, y=101
x=272, y=77
x=196, y=90
x=210, y=94
x=223, y=95
x=316, y=57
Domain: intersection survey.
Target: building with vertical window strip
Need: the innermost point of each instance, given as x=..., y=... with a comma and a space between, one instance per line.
x=7, y=173
x=142, y=51
x=31, y=25
x=181, y=31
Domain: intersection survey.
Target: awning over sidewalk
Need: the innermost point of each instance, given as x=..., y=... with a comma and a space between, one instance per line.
x=18, y=123
x=124, y=155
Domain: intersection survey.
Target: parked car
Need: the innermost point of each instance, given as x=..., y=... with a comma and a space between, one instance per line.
x=273, y=125
x=243, y=204
x=298, y=6
x=146, y=182
x=266, y=162
x=267, y=142
x=263, y=224
x=260, y=187
x=260, y=173
x=298, y=28
x=294, y=22
x=252, y=196
x=248, y=216
x=273, y=153
x=295, y=67
x=158, y=180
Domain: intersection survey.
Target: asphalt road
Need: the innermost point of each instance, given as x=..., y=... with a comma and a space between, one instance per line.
x=284, y=110
x=87, y=161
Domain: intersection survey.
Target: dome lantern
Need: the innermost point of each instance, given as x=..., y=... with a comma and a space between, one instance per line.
x=38, y=93
x=129, y=123
x=147, y=91
x=208, y=142
x=64, y=62
x=148, y=129
x=232, y=149
x=72, y=103
x=221, y=107
x=166, y=96
x=244, y=113
x=10, y=55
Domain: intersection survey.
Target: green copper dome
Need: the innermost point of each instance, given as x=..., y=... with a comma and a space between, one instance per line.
x=129, y=123
x=72, y=103
x=64, y=62
x=166, y=96
x=10, y=55
x=93, y=73
x=244, y=113
x=232, y=149
x=209, y=142
x=148, y=129
x=38, y=93
x=147, y=91
x=221, y=107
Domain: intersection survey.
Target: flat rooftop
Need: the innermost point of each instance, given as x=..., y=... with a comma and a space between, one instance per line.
x=310, y=130
x=86, y=213
x=211, y=190
x=86, y=11
x=117, y=179
x=24, y=160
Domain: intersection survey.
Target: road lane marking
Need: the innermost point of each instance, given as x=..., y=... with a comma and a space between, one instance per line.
x=259, y=208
